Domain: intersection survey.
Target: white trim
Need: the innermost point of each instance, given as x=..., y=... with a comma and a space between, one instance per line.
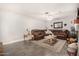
x=10, y=42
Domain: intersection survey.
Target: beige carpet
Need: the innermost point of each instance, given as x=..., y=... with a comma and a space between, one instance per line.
x=59, y=46
x=56, y=48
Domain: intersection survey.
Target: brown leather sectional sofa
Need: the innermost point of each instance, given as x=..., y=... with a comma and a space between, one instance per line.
x=39, y=34
x=61, y=34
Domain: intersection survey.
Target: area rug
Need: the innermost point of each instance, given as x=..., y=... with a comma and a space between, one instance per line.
x=57, y=47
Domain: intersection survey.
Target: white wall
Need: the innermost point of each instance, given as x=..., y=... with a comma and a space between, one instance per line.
x=13, y=26
x=0, y=27
x=35, y=23
x=13, y=23
x=66, y=20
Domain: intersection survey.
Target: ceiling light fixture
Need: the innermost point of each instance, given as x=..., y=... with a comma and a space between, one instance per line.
x=46, y=12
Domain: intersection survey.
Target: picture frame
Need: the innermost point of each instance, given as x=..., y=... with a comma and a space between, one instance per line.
x=58, y=24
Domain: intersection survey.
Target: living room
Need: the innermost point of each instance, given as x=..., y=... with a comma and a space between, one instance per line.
x=21, y=23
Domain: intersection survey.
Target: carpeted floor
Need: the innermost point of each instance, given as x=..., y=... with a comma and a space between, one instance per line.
x=30, y=49
x=57, y=47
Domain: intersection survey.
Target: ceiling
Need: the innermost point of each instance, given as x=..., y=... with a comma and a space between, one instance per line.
x=37, y=10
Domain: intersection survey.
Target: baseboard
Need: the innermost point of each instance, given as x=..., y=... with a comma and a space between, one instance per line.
x=10, y=42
